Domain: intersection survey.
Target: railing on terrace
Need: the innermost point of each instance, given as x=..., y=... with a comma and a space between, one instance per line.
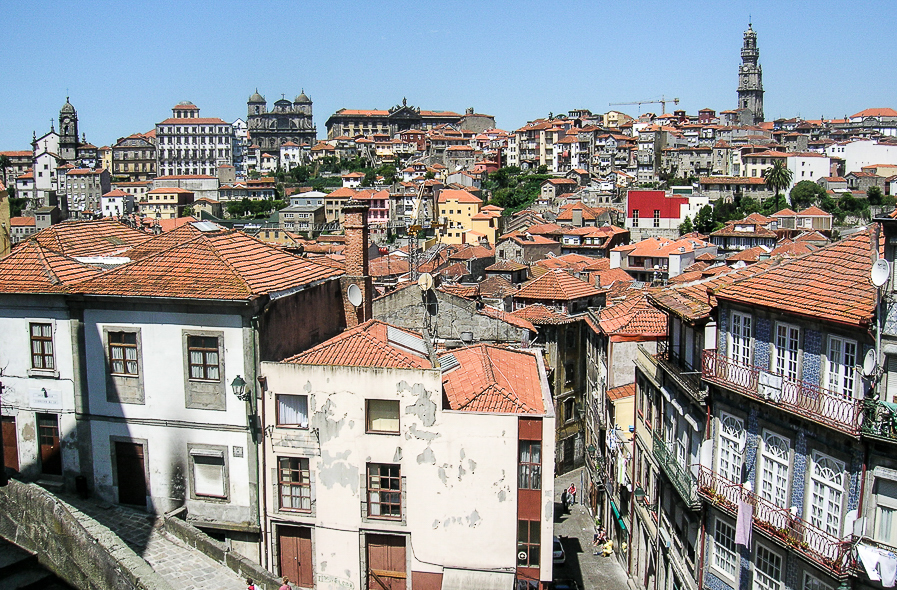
x=682, y=479
x=804, y=399
x=794, y=532
x=880, y=419
x=688, y=380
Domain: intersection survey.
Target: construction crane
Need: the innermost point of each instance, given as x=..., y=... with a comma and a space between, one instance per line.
x=662, y=100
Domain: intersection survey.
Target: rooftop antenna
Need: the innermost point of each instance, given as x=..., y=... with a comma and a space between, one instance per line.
x=879, y=275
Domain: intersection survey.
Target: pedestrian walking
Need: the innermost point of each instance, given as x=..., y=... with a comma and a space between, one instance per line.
x=250, y=585
x=571, y=495
x=286, y=584
x=564, y=498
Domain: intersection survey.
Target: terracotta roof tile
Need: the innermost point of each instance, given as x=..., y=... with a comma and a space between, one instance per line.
x=634, y=316
x=105, y=237
x=509, y=318
x=538, y=314
x=621, y=392
x=366, y=345
x=831, y=283
x=32, y=268
x=494, y=379
x=556, y=285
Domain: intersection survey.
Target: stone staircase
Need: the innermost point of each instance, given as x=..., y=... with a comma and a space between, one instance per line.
x=20, y=570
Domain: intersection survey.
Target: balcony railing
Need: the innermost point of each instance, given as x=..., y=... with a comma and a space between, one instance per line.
x=680, y=476
x=687, y=380
x=880, y=419
x=793, y=532
x=802, y=398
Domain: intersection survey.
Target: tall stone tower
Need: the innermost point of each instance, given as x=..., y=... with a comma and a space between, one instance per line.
x=750, y=79
x=68, y=131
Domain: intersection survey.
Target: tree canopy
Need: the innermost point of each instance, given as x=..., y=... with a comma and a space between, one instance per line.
x=806, y=193
x=777, y=177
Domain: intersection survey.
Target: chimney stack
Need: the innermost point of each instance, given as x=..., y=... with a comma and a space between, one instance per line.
x=357, y=264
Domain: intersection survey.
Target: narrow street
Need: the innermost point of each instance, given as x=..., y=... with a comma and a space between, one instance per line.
x=576, y=530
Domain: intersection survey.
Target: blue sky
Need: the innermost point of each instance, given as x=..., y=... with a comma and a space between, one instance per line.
x=126, y=64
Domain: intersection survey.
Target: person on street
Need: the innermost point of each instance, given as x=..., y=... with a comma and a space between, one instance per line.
x=286, y=584
x=564, y=498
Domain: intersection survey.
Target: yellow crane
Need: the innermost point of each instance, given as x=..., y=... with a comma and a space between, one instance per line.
x=662, y=100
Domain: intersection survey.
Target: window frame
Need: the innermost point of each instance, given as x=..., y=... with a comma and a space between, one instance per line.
x=849, y=371
x=303, y=471
x=371, y=490
x=820, y=490
x=529, y=472
x=204, y=350
x=124, y=346
x=526, y=544
x=277, y=415
x=41, y=338
x=204, y=394
x=367, y=416
x=727, y=441
x=785, y=359
x=739, y=343
x=758, y=560
x=723, y=553
x=210, y=452
x=769, y=462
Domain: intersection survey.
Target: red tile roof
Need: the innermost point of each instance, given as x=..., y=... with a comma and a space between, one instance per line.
x=621, y=392
x=556, y=285
x=105, y=237
x=32, y=268
x=460, y=196
x=185, y=263
x=538, y=314
x=506, y=265
x=22, y=221
x=366, y=345
x=494, y=379
x=633, y=317
x=831, y=284
x=509, y=318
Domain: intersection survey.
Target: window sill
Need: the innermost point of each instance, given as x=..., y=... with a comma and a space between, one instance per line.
x=388, y=432
x=125, y=375
x=43, y=373
x=216, y=499
x=292, y=426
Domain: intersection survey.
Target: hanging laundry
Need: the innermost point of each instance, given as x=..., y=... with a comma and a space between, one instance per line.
x=887, y=566
x=869, y=557
x=744, y=524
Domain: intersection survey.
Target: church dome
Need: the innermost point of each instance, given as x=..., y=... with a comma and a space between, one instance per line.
x=256, y=97
x=67, y=107
x=186, y=103
x=302, y=98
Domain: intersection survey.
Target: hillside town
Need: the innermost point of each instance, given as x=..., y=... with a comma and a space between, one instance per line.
x=416, y=351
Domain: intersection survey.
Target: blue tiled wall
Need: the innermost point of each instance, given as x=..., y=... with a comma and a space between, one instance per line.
x=752, y=440
x=722, y=328
x=812, y=358
x=713, y=582
x=762, y=343
x=855, y=469
x=800, y=471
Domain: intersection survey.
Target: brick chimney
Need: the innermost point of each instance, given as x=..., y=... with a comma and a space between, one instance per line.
x=357, y=267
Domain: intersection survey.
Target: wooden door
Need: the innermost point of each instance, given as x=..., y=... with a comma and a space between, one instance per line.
x=48, y=439
x=10, y=443
x=295, y=555
x=386, y=562
x=568, y=452
x=131, y=473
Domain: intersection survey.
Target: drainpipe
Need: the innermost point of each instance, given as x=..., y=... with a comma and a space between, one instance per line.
x=258, y=474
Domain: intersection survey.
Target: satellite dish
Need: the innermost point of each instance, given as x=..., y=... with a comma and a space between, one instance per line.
x=870, y=363
x=881, y=270
x=353, y=293
x=425, y=282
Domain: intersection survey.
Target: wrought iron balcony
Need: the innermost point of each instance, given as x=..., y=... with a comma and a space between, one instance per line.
x=793, y=532
x=681, y=477
x=880, y=420
x=687, y=379
x=799, y=397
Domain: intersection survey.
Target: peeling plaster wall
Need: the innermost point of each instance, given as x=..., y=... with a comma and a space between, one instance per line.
x=23, y=394
x=459, y=469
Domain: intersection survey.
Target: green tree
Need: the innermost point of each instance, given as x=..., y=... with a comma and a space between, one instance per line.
x=686, y=227
x=806, y=193
x=778, y=177
x=874, y=195
x=704, y=221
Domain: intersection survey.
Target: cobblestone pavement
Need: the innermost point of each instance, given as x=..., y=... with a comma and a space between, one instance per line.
x=181, y=566
x=576, y=531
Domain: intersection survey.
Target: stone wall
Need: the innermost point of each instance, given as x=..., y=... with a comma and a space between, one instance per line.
x=175, y=525
x=72, y=545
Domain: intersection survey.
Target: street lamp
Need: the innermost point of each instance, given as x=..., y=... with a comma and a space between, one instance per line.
x=238, y=385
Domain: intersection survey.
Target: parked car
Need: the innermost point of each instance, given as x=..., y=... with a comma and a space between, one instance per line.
x=564, y=585
x=559, y=556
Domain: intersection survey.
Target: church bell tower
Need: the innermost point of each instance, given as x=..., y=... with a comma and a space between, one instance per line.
x=750, y=78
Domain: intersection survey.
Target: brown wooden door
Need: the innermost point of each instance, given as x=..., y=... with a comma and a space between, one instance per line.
x=295, y=555
x=386, y=562
x=10, y=444
x=48, y=439
x=131, y=473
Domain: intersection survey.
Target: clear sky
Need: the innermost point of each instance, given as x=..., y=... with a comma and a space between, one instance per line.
x=125, y=64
